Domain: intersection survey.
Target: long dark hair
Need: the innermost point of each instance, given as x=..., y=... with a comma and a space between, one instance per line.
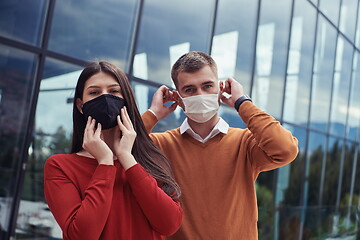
x=146, y=153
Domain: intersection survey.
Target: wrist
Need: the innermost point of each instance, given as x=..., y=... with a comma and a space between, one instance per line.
x=240, y=100
x=127, y=160
x=153, y=112
x=106, y=161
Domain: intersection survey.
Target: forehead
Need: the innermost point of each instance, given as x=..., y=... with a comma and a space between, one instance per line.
x=100, y=79
x=205, y=74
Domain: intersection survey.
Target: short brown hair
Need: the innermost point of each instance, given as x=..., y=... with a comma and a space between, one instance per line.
x=192, y=62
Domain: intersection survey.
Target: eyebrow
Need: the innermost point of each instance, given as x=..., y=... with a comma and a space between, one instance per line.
x=112, y=85
x=207, y=82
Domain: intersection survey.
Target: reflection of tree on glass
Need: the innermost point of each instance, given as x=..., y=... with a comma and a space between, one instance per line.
x=115, y=184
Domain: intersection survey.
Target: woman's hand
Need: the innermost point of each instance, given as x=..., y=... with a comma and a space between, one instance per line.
x=124, y=140
x=94, y=145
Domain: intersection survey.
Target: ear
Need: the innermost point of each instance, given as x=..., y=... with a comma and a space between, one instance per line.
x=79, y=104
x=177, y=99
x=175, y=95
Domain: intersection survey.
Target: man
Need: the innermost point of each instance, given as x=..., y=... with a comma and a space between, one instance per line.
x=215, y=165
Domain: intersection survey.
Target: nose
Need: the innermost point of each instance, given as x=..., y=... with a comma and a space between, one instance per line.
x=200, y=92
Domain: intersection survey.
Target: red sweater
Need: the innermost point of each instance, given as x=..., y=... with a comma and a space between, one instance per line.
x=91, y=201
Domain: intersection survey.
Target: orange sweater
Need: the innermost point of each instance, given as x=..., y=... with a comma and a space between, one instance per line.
x=217, y=177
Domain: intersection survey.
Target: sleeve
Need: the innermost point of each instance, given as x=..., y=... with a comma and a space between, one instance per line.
x=79, y=218
x=270, y=145
x=163, y=213
x=149, y=120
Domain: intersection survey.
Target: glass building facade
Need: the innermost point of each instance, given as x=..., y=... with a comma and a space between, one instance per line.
x=298, y=59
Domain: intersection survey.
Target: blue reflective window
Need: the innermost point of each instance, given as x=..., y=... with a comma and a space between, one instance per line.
x=330, y=212
x=347, y=181
x=23, y=20
x=315, y=2
x=169, y=29
x=353, y=124
x=233, y=45
x=357, y=30
x=323, y=75
x=271, y=55
x=332, y=171
x=315, y=157
x=300, y=64
x=348, y=13
x=356, y=196
x=313, y=177
x=52, y=135
x=341, y=85
x=17, y=70
x=291, y=186
x=330, y=8
x=91, y=29
x=289, y=190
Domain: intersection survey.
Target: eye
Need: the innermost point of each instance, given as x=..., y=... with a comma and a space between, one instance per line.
x=115, y=91
x=207, y=86
x=189, y=90
x=93, y=93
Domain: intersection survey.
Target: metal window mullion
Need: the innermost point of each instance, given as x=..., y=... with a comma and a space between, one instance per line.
x=252, y=80
x=213, y=26
x=287, y=60
x=134, y=39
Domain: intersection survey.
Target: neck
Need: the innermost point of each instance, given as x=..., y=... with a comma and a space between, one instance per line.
x=204, y=129
x=108, y=136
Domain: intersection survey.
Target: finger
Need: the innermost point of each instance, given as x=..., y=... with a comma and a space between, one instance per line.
x=173, y=107
x=171, y=93
x=162, y=91
x=166, y=94
x=164, y=88
x=120, y=124
x=92, y=125
x=98, y=131
x=126, y=119
x=227, y=87
x=225, y=100
x=88, y=129
x=88, y=123
x=221, y=86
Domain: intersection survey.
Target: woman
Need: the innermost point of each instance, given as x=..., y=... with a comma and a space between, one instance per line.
x=115, y=184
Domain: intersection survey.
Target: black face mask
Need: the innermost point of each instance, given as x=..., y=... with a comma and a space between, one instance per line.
x=104, y=109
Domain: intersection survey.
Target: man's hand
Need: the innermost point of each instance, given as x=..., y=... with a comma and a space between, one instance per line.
x=162, y=96
x=235, y=89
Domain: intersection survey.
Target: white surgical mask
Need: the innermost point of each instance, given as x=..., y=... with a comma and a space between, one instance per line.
x=201, y=108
